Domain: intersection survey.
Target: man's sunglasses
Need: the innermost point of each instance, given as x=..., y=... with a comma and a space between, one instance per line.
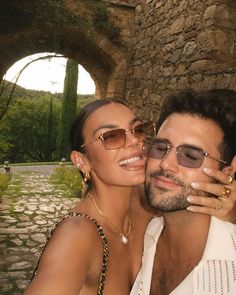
x=187, y=155
x=116, y=138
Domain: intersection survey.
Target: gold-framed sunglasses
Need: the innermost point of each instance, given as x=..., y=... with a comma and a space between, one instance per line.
x=187, y=155
x=116, y=138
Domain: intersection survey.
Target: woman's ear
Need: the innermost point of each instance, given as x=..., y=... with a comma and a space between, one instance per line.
x=80, y=161
x=74, y=156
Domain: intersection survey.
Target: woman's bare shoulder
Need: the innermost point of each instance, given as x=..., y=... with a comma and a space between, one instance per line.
x=71, y=252
x=74, y=232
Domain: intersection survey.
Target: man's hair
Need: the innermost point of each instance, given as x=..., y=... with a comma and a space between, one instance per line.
x=218, y=105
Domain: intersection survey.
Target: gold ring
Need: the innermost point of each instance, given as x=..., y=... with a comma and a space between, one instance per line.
x=231, y=179
x=219, y=206
x=225, y=192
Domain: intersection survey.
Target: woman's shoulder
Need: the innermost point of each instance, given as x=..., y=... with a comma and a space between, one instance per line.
x=76, y=225
x=75, y=241
x=73, y=252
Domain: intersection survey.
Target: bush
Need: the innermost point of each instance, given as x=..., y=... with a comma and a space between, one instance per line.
x=4, y=180
x=70, y=178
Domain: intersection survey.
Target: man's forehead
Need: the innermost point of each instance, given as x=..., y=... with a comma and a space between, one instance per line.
x=181, y=126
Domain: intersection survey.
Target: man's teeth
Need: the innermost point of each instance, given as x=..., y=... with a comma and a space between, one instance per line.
x=128, y=161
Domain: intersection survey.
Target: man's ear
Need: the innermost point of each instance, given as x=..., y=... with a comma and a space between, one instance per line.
x=230, y=170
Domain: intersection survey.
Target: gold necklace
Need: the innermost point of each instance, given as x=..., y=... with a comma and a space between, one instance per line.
x=123, y=236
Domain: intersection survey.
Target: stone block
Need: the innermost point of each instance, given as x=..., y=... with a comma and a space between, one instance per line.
x=216, y=40
x=177, y=26
x=202, y=66
x=222, y=16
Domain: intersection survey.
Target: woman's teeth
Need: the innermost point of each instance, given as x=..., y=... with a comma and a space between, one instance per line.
x=128, y=161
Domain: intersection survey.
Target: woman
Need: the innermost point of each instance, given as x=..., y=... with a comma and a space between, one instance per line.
x=107, y=142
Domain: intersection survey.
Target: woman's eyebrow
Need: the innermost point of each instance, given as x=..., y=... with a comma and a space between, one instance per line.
x=104, y=127
x=135, y=119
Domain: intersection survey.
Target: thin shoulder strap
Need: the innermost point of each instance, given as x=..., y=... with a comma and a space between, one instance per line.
x=104, y=244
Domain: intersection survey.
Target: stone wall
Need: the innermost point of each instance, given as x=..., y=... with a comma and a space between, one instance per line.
x=169, y=44
x=180, y=44
x=94, y=33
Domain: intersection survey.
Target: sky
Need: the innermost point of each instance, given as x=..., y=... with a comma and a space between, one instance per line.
x=47, y=75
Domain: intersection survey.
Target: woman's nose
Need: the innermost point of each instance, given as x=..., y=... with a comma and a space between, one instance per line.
x=131, y=139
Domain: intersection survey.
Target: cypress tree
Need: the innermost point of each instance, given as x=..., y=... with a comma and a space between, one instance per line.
x=68, y=110
x=49, y=143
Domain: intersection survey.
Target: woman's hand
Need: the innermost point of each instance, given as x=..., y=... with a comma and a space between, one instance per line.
x=224, y=205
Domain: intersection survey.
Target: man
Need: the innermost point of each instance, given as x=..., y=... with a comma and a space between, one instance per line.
x=184, y=252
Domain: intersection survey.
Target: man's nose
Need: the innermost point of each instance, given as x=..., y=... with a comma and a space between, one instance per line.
x=169, y=161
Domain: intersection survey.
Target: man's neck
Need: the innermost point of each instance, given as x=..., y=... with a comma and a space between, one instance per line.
x=184, y=227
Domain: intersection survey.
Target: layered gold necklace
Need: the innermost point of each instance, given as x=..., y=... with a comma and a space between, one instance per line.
x=124, y=236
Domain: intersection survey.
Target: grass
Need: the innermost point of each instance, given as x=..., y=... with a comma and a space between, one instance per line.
x=69, y=177
x=4, y=181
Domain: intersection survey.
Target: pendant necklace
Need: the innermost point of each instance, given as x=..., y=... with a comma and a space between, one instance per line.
x=124, y=236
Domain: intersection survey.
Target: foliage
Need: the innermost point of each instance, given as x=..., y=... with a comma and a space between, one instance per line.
x=101, y=20
x=68, y=109
x=102, y=23
x=83, y=100
x=8, y=89
x=70, y=177
x=31, y=124
x=24, y=130
x=4, y=180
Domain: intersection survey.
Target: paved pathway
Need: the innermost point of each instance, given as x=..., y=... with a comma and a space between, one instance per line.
x=28, y=210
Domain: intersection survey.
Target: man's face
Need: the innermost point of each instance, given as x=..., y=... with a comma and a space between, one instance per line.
x=167, y=181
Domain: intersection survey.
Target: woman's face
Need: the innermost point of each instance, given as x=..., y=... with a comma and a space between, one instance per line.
x=120, y=167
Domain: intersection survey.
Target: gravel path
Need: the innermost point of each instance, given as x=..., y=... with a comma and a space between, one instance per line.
x=28, y=210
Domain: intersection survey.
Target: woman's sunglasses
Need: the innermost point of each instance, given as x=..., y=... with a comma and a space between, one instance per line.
x=116, y=138
x=187, y=155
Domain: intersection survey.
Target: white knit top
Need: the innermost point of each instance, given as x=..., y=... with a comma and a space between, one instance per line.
x=215, y=274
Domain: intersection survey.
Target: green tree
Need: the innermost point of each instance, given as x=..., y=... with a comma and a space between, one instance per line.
x=68, y=110
x=25, y=130
x=50, y=145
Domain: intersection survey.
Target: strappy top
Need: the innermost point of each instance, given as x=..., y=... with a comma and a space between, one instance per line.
x=104, y=244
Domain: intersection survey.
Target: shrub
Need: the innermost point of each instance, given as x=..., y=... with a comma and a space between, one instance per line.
x=4, y=180
x=70, y=178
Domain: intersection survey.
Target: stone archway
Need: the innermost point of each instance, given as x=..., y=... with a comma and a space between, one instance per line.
x=95, y=33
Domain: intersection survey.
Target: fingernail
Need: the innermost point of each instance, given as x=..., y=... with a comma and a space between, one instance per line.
x=189, y=198
x=190, y=209
x=194, y=185
x=207, y=170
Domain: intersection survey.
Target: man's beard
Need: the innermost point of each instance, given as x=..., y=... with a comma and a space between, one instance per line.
x=164, y=200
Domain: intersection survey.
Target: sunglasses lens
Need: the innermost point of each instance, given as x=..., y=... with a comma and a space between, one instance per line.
x=143, y=130
x=189, y=156
x=114, y=139
x=156, y=149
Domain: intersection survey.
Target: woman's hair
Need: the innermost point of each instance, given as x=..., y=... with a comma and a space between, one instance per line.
x=76, y=131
